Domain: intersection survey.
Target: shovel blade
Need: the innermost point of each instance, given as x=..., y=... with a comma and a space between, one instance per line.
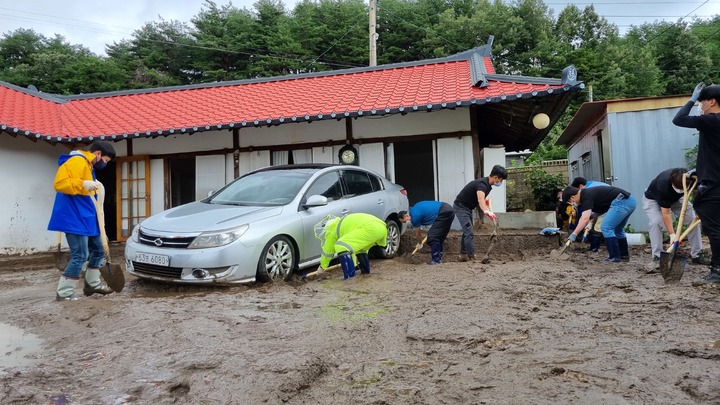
x=557, y=253
x=61, y=260
x=672, y=267
x=114, y=276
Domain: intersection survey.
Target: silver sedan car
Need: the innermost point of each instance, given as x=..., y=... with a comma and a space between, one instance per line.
x=260, y=226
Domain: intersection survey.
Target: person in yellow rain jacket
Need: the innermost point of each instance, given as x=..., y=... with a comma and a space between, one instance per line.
x=350, y=237
x=74, y=214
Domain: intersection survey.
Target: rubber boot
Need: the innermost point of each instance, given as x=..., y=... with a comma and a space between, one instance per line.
x=93, y=284
x=594, y=243
x=624, y=249
x=613, y=250
x=348, y=266
x=363, y=263
x=66, y=289
x=435, y=253
x=712, y=278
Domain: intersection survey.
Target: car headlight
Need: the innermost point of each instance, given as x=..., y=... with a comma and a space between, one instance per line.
x=134, y=235
x=218, y=238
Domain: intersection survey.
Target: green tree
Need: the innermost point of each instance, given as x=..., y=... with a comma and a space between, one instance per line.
x=543, y=186
x=679, y=54
x=333, y=33
x=166, y=47
x=225, y=49
x=91, y=75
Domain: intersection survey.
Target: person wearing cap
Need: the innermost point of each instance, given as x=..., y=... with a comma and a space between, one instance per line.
x=662, y=198
x=439, y=215
x=596, y=220
x=473, y=196
x=349, y=238
x=707, y=196
x=617, y=205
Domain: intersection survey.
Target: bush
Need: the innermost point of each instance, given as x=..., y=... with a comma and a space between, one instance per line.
x=543, y=187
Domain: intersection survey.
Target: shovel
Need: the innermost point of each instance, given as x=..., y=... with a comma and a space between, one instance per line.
x=493, y=237
x=111, y=272
x=671, y=269
x=318, y=272
x=61, y=259
x=410, y=255
x=557, y=253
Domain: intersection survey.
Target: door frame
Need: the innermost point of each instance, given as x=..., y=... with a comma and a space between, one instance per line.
x=119, y=199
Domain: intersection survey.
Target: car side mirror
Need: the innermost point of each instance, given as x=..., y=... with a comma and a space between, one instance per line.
x=315, y=200
x=210, y=193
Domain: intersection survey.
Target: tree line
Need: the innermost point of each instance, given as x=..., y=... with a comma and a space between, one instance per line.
x=223, y=42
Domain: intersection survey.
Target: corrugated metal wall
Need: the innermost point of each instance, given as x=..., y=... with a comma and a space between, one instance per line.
x=585, y=159
x=644, y=143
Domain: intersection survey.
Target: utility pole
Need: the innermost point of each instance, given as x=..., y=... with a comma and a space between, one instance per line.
x=590, y=93
x=373, y=35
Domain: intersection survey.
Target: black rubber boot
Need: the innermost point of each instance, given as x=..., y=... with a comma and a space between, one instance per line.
x=436, y=253
x=348, y=266
x=594, y=242
x=711, y=278
x=363, y=263
x=613, y=250
x=624, y=249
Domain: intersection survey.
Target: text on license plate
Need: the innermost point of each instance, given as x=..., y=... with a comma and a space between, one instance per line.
x=158, y=260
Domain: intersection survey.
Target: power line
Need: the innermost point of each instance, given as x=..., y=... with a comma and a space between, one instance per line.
x=334, y=43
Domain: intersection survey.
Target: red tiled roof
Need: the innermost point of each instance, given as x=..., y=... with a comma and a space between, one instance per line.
x=392, y=89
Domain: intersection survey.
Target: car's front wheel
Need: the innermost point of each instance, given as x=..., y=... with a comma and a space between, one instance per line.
x=393, y=242
x=277, y=260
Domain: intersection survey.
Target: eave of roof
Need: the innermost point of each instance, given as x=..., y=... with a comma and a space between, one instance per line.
x=459, y=80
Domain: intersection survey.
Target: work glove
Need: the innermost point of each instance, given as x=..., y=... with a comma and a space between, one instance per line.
x=490, y=214
x=696, y=92
x=572, y=237
x=418, y=246
x=90, y=185
x=673, y=238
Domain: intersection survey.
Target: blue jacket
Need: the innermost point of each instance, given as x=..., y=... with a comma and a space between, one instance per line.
x=74, y=209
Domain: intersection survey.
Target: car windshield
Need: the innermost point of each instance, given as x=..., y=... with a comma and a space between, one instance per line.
x=273, y=187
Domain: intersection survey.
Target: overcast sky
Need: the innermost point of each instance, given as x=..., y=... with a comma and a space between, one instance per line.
x=94, y=23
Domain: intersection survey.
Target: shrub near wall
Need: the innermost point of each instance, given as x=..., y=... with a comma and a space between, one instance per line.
x=521, y=181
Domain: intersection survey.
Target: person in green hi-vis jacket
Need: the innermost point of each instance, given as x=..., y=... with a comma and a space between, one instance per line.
x=349, y=238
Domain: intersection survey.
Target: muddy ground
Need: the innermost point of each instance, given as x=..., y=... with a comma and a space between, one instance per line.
x=525, y=328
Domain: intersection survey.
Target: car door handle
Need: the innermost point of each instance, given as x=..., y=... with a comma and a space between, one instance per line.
x=381, y=202
x=345, y=212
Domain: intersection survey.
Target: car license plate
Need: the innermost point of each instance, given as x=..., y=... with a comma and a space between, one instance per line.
x=158, y=260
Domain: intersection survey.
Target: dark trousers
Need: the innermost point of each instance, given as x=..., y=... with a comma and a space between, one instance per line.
x=440, y=228
x=707, y=206
x=464, y=215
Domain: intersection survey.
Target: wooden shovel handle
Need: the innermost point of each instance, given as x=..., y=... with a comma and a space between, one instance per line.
x=416, y=249
x=690, y=227
x=101, y=218
x=316, y=272
x=686, y=195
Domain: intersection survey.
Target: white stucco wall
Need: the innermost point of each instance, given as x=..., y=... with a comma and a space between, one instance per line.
x=294, y=133
x=199, y=141
x=157, y=186
x=498, y=195
x=416, y=123
x=27, y=170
